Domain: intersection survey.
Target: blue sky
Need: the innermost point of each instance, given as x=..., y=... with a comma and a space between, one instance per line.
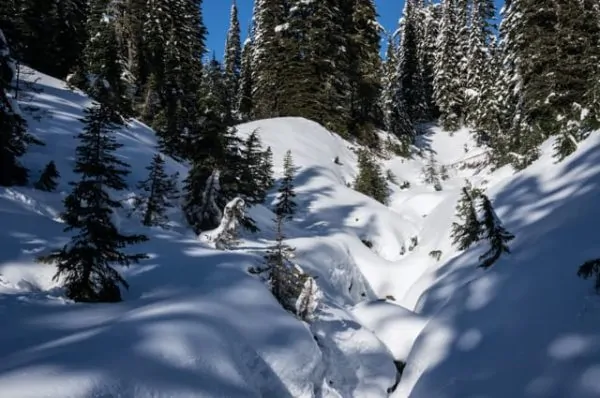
x=216, y=18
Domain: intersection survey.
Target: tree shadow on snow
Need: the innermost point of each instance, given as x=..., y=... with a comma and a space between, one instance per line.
x=522, y=328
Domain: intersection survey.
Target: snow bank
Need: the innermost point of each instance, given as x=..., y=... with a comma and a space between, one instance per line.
x=394, y=325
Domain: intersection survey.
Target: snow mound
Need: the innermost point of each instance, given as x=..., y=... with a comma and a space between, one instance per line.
x=394, y=325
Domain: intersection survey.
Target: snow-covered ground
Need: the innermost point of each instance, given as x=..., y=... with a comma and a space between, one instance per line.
x=196, y=323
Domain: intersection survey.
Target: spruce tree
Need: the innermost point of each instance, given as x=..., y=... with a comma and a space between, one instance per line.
x=370, y=179
x=158, y=194
x=496, y=235
x=47, y=179
x=388, y=92
x=244, y=94
x=285, y=281
x=469, y=231
x=87, y=262
x=267, y=58
x=431, y=174
x=589, y=269
x=285, y=206
x=265, y=172
x=447, y=71
x=233, y=53
x=14, y=138
x=430, y=18
x=478, y=75
x=365, y=65
x=409, y=72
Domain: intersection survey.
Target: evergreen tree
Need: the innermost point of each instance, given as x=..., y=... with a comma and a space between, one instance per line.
x=159, y=191
x=233, y=54
x=469, y=231
x=388, y=81
x=265, y=172
x=431, y=174
x=496, y=235
x=251, y=162
x=409, y=77
x=100, y=73
x=589, y=269
x=370, y=179
x=431, y=16
x=47, y=179
x=365, y=65
x=478, y=58
x=447, y=72
x=244, y=94
x=285, y=206
x=87, y=262
x=285, y=281
x=175, y=44
x=267, y=58
x=14, y=138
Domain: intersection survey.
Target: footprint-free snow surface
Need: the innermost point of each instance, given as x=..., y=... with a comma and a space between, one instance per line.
x=195, y=323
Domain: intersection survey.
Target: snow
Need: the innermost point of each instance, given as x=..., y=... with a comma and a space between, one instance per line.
x=195, y=323
x=394, y=325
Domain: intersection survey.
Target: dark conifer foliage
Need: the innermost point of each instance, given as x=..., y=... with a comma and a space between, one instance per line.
x=233, y=57
x=14, y=138
x=159, y=193
x=469, y=230
x=87, y=262
x=590, y=269
x=370, y=179
x=47, y=181
x=409, y=73
x=493, y=231
x=285, y=206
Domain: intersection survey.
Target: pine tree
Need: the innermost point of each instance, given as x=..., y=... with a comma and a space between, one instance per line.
x=159, y=191
x=478, y=58
x=431, y=174
x=14, y=138
x=251, y=162
x=496, y=235
x=244, y=94
x=409, y=77
x=175, y=44
x=233, y=54
x=447, y=72
x=87, y=262
x=431, y=16
x=388, y=93
x=285, y=281
x=365, y=65
x=589, y=269
x=470, y=230
x=47, y=179
x=265, y=172
x=102, y=67
x=285, y=206
x=370, y=179
x=267, y=58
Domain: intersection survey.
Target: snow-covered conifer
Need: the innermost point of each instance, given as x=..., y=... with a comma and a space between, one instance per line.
x=47, y=181
x=370, y=179
x=285, y=205
x=87, y=261
x=469, y=230
x=159, y=192
x=226, y=234
x=494, y=232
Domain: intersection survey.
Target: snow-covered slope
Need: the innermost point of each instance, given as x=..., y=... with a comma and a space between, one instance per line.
x=529, y=327
x=195, y=323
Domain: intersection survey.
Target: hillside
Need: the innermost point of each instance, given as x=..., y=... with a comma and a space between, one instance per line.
x=196, y=323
